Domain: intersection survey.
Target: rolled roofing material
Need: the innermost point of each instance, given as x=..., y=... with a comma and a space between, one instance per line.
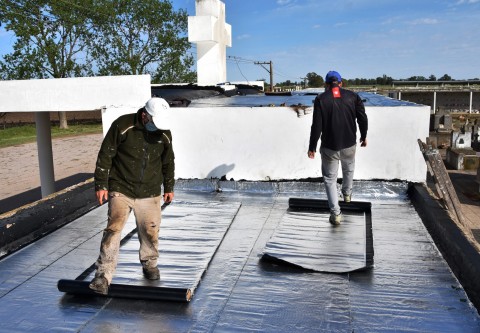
x=189, y=237
x=306, y=239
x=128, y=291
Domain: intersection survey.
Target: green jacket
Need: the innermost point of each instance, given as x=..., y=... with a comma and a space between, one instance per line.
x=133, y=161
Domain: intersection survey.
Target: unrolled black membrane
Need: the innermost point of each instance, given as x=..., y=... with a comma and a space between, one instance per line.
x=189, y=238
x=305, y=238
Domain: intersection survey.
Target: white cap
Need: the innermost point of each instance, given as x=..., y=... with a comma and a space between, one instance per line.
x=160, y=111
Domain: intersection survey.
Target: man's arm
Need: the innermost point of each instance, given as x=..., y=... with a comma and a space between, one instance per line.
x=316, y=128
x=362, y=121
x=101, y=196
x=105, y=156
x=168, y=197
x=168, y=169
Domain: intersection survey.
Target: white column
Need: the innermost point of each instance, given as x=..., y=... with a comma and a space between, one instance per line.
x=45, y=155
x=434, y=102
x=212, y=35
x=471, y=101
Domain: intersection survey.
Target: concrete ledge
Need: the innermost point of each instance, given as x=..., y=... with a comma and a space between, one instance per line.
x=462, y=159
x=462, y=257
x=28, y=223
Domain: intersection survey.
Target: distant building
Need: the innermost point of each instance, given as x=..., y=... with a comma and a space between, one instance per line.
x=442, y=96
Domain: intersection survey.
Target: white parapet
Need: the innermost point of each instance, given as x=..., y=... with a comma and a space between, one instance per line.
x=73, y=94
x=271, y=143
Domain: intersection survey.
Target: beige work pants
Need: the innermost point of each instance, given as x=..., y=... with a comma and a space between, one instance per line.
x=148, y=217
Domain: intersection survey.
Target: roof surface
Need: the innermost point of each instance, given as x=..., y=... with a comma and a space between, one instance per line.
x=410, y=288
x=298, y=97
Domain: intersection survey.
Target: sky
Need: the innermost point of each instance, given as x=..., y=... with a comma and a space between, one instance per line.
x=358, y=38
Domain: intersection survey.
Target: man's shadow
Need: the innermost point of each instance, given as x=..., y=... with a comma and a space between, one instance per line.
x=220, y=171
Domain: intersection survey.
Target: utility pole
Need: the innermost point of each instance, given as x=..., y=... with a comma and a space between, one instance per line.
x=261, y=63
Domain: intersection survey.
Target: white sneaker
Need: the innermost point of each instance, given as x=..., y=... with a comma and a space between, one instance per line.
x=347, y=197
x=335, y=219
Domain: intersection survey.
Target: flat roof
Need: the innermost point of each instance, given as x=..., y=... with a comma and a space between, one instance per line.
x=298, y=97
x=426, y=82
x=410, y=287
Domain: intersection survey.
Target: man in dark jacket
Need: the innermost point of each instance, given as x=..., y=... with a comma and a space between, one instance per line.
x=334, y=114
x=136, y=158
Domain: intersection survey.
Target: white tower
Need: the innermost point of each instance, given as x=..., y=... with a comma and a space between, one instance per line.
x=212, y=35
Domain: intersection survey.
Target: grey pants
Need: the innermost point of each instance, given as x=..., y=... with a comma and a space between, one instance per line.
x=148, y=217
x=330, y=160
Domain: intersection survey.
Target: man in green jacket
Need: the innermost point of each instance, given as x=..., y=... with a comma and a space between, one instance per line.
x=136, y=158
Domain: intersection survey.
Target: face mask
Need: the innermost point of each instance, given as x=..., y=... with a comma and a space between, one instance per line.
x=150, y=126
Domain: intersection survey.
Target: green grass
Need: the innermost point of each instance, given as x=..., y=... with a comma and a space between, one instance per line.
x=27, y=133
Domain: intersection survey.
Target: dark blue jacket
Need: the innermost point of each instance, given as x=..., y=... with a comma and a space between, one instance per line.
x=335, y=118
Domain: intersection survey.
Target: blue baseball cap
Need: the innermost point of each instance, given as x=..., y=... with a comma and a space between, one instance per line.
x=333, y=76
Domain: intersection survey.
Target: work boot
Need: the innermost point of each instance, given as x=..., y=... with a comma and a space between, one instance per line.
x=99, y=285
x=347, y=197
x=151, y=273
x=335, y=219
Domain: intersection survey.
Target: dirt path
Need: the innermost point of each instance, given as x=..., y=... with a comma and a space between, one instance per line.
x=19, y=171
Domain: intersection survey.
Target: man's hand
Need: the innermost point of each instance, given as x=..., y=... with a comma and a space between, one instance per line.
x=311, y=154
x=102, y=195
x=363, y=143
x=168, y=197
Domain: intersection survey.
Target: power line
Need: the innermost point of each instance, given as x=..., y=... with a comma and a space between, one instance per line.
x=239, y=60
x=238, y=66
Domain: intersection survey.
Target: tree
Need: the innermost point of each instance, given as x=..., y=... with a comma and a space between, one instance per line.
x=417, y=78
x=384, y=80
x=432, y=78
x=314, y=80
x=445, y=77
x=48, y=43
x=142, y=37
x=175, y=67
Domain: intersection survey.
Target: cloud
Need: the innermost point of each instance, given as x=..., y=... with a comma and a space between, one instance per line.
x=424, y=21
x=284, y=2
x=461, y=2
x=244, y=36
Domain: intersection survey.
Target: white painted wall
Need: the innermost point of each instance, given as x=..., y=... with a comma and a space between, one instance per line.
x=272, y=143
x=73, y=94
